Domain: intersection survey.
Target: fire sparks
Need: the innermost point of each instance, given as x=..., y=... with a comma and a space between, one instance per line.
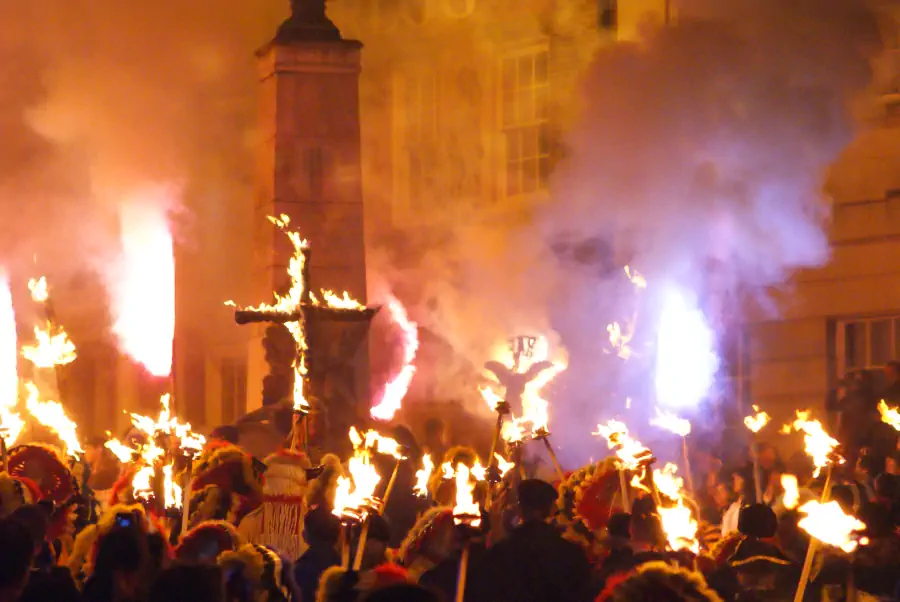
x=820, y=446
x=671, y=422
x=466, y=509
x=395, y=390
x=791, y=492
x=757, y=421
x=628, y=450
x=502, y=465
x=829, y=524
x=52, y=415
x=10, y=422
x=355, y=494
x=50, y=348
x=143, y=293
x=889, y=415
x=423, y=475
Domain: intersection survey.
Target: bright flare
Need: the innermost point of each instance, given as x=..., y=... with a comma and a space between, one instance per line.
x=628, y=450
x=395, y=390
x=39, y=289
x=143, y=294
x=820, y=446
x=791, y=491
x=11, y=423
x=52, y=415
x=686, y=360
x=671, y=422
x=756, y=421
x=423, y=475
x=829, y=524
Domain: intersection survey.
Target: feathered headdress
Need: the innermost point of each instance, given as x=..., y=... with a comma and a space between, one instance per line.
x=431, y=540
x=321, y=490
x=226, y=484
x=45, y=467
x=256, y=569
x=16, y=492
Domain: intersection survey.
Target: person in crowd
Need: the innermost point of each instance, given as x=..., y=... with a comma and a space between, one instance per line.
x=659, y=582
x=104, y=466
x=16, y=557
x=377, y=542
x=876, y=566
x=226, y=433
x=405, y=592
x=189, y=583
x=47, y=581
x=321, y=530
x=119, y=568
x=891, y=392
x=534, y=563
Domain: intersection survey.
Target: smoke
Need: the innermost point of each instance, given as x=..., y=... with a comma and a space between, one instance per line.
x=103, y=98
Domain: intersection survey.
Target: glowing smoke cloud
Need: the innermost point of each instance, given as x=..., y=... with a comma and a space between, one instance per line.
x=395, y=390
x=686, y=360
x=143, y=290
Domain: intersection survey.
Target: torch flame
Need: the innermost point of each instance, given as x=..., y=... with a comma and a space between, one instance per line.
x=342, y=301
x=142, y=483
x=889, y=415
x=502, y=465
x=52, y=415
x=620, y=338
x=50, y=348
x=121, y=451
x=628, y=450
x=356, y=493
x=637, y=279
x=757, y=421
x=829, y=524
x=422, y=476
x=671, y=422
x=678, y=523
x=11, y=423
x=395, y=390
x=167, y=424
x=143, y=301
x=791, y=491
x=819, y=445
x=535, y=409
x=40, y=291
x=171, y=490
x=466, y=509
x=490, y=397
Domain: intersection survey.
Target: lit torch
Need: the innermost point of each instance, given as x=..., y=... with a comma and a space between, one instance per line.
x=678, y=523
x=52, y=415
x=630, y=452
x=755, y=423
x=466, y=516
x=681, y=427
x=423, y=475
x=826, y=523
x=10, y=422
x=395, y=390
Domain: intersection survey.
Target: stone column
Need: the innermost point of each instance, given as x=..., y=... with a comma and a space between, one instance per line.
x=308, y=164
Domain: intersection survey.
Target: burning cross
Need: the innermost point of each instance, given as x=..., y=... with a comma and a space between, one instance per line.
x=299, y=307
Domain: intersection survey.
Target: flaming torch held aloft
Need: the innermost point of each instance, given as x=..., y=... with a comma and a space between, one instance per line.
x=630, y=453
x=829, y=524
x=143, y=292
x=755, y=423
x=11, y=423
x=681, y=427
x=466, y=515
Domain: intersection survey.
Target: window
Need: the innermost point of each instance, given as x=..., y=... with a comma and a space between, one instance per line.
x=608, y=14
x=524, y=118
x=419, y=106
x=867, y=342
x=234, y=389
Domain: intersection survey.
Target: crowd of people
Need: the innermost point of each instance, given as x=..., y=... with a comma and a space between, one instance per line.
x=264, y=530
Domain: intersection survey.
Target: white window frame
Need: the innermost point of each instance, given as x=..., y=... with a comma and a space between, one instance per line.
x=520, y=124
x=867, y=363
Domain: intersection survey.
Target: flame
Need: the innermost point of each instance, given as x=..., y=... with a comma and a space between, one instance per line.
x=142, y=483
x=171, y=490
x=628, y=450
x=819, y=445
x=377, y=443
x=121, y=451
x=637, y=279
x=535, y=409
x=757, y=421
x=791, y=492
x=395, y=390
x=422, y=476
x=479, y=472
x=143, y=300
x=829, y=524
x=447, y=472
x=678, y=523
x=671, y=422
x=11, y=423
x=512, y=431
x=39, y=289
x=356, y=493
x=466, y=509
x=342, y=301
x=167, y=424
x=50, y=349
x=490, y=397
x=620, y=339
x=52, y=415
x=889, y=415
x=502, y=465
